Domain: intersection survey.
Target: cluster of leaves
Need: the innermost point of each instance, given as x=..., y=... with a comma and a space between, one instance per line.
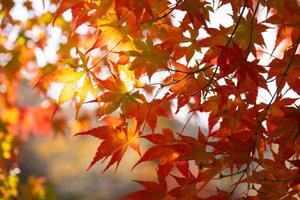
x=136, y=63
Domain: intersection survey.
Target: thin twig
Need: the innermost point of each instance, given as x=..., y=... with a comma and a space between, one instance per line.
x=251, y=29
x=148, y=112
x=107, y=53
x=186, y=123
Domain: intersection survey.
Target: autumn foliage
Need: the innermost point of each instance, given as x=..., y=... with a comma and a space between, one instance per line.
x=138, y=61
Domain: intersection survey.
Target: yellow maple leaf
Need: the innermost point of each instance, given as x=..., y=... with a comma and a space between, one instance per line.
x=71, y=89
x=113, y=34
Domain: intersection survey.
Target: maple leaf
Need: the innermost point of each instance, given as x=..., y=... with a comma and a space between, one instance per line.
x=184, y=81
x=248, y=74
x=115, y=142
x=149, y=57
x=87, y=85
x=68, y=77
x=208, y=174
x=193, y=46
x=233, y=59
x=141, y=8
x=149, y=112
x=197, y=12
x=217, y=38
x=117, y=96
x=82, y=93
x=274, y=178
x=79, y=12
x=167, y=148
x=70, y=80
x=284, y=128
x=239, y=154
x=235, y=114
x=279, y=104
x=187, y=188
x=236, y=4
x=286, y=17
x=153, y=190
x=114, y=34
x=163, y=150
x=278, y=66
x=248, y=32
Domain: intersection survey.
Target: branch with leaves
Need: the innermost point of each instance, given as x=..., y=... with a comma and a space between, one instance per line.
x=140, y=61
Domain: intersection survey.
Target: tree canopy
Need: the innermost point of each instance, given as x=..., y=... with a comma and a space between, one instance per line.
x=137, y=61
